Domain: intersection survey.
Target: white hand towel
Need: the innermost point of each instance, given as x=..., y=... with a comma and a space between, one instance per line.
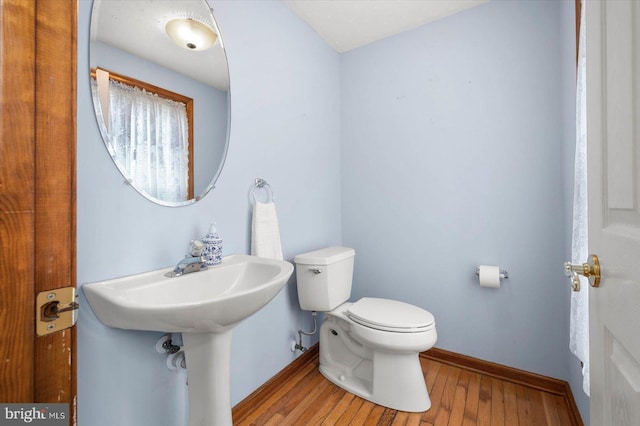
x=265, y=234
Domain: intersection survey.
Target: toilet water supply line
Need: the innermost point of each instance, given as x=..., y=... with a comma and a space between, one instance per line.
x=299, y=345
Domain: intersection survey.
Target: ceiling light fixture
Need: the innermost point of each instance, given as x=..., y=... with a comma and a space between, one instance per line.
x=190, y=34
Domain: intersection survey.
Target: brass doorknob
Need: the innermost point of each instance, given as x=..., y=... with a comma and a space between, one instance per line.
x=591, y=270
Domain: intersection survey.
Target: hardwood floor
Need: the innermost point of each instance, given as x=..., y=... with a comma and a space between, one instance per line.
x=460, y=395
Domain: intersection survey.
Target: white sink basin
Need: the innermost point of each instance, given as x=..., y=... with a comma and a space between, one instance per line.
x=207, y=301
x=204, y=306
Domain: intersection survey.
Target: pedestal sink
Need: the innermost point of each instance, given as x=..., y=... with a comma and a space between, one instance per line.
x=203, y=306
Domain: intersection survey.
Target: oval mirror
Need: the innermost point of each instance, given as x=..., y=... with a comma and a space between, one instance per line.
x=160, y=87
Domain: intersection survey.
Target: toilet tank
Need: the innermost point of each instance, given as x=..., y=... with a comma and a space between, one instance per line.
x=324, y=278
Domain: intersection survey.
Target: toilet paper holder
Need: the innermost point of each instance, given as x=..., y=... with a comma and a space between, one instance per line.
x=503, y=273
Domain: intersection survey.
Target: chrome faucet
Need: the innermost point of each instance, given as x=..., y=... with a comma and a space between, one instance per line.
x=193, y=262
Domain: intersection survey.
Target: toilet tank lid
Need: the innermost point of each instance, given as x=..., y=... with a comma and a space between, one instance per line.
x=325, y=256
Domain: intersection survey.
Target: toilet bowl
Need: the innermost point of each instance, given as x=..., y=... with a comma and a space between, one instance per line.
x=369, y=348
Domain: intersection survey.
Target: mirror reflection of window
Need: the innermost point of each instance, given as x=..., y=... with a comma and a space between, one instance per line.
x=152, y=136
x=120, y=38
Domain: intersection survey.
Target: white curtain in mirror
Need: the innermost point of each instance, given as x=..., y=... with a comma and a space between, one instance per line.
x=150, y=140
x=579, y=323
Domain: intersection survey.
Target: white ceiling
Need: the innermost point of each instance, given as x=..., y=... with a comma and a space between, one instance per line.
x=348, y=24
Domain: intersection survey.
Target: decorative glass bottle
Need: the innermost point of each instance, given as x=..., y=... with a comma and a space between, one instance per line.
x=212, y=252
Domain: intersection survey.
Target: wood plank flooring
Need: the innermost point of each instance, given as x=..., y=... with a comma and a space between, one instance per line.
x=459, y=396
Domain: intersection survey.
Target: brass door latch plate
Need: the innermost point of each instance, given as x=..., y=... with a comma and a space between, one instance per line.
x=56, y=310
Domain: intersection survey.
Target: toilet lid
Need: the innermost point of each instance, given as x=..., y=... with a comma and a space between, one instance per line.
x=390, y=315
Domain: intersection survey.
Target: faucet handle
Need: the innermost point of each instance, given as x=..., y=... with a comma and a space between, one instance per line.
x=195, y=248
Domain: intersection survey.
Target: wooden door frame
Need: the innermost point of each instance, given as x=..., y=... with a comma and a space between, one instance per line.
x=37, y=195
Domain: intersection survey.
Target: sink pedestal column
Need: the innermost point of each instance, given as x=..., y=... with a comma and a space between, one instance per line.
x=208, y=356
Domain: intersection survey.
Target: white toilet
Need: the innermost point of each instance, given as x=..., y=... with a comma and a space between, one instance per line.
x=370, y=347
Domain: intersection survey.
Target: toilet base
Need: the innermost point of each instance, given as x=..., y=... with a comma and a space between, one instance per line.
x=402, y=392
x=391, y=379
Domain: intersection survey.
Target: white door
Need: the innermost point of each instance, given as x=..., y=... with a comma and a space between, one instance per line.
x=613, y=138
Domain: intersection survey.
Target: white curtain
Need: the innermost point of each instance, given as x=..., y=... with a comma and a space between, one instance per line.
x=579, y=325
x=148, y=137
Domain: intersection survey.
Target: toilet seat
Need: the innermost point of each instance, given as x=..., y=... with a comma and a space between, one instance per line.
x=390, y=315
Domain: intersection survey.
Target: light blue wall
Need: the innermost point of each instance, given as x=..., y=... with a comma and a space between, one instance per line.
x=286, y=129
x=452, y=157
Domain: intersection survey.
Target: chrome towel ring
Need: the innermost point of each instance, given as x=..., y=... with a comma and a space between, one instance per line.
x=264, y=185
